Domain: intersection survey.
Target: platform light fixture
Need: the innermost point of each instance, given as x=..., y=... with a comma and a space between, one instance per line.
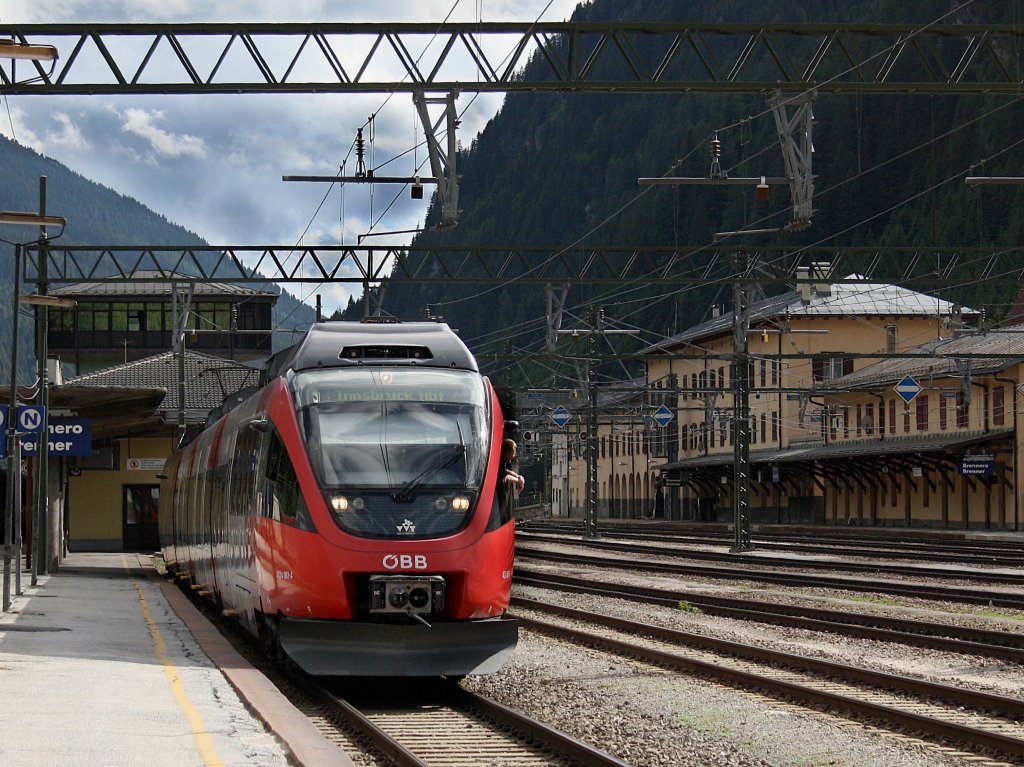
x=35, y=219
x=12, y=49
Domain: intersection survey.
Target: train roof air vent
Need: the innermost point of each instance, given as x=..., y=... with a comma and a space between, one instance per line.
x=386, y=352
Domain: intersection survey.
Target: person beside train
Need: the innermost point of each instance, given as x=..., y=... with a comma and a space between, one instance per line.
x=510, y=482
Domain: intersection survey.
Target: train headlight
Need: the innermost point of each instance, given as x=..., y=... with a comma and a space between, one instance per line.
x=441, y=504
x=358, y=504
x=460, y=503
x=339, y=503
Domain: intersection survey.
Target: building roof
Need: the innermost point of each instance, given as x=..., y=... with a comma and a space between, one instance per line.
x=208, y=380
x=158, y=283
x=855, y=299
x=947, y=361
x=845, y=450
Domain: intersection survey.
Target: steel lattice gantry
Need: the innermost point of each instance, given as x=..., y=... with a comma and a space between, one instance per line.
x=668, y=57
x=921, y=268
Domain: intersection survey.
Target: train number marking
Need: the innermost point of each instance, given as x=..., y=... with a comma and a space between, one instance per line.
x=404, y=562
x=284, y=575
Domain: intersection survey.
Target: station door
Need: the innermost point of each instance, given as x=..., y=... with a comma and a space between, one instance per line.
x=139, y=532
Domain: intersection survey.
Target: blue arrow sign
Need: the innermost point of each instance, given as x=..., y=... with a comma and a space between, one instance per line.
x=561, y=416
x=908, y=388
x=663, y=415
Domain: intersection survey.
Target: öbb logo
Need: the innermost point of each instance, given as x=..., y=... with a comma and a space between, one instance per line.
x=405, y=562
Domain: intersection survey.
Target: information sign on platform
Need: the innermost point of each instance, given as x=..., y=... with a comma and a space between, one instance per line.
x=977, y=466
x=67, y=437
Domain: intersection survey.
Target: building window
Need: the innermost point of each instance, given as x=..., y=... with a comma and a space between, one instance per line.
x=892, y=416
x=860, y=420
x=764, y=373
x=775, y=372
x=963, y=411
x=943, y=419
x=721, y=378
x=846, y=423
x=827, y=368
x=764, y=425
x=775, y=425
x=869, y=419
x=906, y=418
x=998, y=406
x=922, y=412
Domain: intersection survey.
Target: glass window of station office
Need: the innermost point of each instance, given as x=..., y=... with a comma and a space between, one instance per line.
x=149, y=324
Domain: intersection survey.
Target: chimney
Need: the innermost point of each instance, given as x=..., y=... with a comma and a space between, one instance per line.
x=890, y=338
x=54, y=372
x=820, y=272
x=803, y=287
x=716, y=311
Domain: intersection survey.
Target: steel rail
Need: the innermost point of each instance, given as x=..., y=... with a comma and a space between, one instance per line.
x=974, y=737
x=990, y=643
x=1013, y=600
x=980, y=576
x=1004, y=556
x=535, y=734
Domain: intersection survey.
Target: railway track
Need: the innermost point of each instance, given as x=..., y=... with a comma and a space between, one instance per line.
x=1011, y=598
x=992, y=553
x=976, y=722
x=802, y=563
x=442, y=725
x=1004, y=645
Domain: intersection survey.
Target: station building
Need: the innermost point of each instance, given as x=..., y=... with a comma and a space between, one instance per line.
x=835, y=438
x=124, y=385
x=112, y=494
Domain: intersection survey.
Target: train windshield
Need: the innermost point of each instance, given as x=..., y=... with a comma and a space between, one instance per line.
x=398, y=453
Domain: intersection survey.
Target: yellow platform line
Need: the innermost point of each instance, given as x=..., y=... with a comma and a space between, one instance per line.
x=202, y=736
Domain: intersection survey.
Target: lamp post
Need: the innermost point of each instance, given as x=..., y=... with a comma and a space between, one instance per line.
x=13, y=438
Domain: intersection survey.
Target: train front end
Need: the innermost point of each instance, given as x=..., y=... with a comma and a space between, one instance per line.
x=403, y=442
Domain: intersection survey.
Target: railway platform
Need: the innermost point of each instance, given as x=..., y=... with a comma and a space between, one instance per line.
x=105, y=663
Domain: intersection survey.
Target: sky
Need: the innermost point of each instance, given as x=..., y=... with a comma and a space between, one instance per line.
x=213, y=163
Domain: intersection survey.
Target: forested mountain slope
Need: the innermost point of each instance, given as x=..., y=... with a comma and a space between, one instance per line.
x=96, y=215
x=551, y=170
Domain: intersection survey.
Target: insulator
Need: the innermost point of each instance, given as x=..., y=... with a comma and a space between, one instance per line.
x=716, y=146
x=360, y=152
x=761, y=190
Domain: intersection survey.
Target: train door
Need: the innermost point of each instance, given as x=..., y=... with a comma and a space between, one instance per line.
x=139, y=531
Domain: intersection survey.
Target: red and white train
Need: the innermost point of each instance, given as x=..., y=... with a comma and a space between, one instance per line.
x=348, y=512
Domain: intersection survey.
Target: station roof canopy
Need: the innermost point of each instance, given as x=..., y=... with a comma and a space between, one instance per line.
x=847, y=450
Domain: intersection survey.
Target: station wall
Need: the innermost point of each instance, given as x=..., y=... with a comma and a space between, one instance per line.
x=95, y=503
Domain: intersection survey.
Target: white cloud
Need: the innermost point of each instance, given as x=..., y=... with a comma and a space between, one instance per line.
x=69, y=134
x=214, y=163
x=143, y=124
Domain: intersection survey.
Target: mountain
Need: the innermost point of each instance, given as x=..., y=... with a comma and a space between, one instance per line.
x=551, y=170
x=96, y=215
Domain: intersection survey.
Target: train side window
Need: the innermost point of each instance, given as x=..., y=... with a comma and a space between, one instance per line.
x=283, y=499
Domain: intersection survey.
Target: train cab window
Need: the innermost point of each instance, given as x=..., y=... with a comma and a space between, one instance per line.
x=397, y=453
x=283, y=500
